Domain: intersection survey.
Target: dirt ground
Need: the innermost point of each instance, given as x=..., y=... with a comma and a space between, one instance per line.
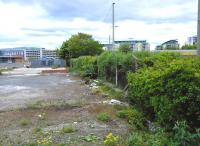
x=39, y=107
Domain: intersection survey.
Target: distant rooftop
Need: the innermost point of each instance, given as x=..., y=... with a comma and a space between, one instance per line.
x=22, y=48
x=170, y=42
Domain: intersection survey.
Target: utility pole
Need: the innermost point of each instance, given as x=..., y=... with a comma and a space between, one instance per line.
x=113, y=43
x=113, y=25
x=198, y=29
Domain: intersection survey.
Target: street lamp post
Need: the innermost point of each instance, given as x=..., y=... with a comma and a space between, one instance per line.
x=113, y=25
x=198, y=29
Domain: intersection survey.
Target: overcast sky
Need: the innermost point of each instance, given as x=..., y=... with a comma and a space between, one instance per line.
x=47, y=23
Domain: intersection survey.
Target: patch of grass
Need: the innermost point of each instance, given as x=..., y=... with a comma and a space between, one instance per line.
x=56, y=104
x=120, y=107
x=97, y=109
x=24, y=122
x=90, y=138
x=123, y=114
x=104, y=117
x=110, y=91
x=68, y=129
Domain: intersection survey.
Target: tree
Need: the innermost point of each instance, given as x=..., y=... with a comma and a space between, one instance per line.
x=78, y=45
x=125, y=48
x=64, y=53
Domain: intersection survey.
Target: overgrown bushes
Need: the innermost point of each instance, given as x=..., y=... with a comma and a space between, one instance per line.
x=169, y=91
x=164, y=86
x=86, y=66
x=108, y=62
x=180, y=136
x=133, y=117
x=145, y=138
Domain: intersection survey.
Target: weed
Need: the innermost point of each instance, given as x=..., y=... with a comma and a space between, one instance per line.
x=24, y=122
x=111, y=140
x=37, y=130
x=112, y=92
x=89, y=138
x=47, y=141
x=104, y=117
x=68, y=129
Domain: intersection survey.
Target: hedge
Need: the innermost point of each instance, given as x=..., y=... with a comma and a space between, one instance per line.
x=168, y=91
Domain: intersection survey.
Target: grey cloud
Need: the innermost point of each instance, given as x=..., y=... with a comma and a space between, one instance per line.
x=97, y=10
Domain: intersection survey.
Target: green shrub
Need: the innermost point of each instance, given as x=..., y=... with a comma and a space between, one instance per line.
x=86, y=66
x=108, y=61
x=139, y=138
x=163, y=58
x=182, y=136
x=168, y=91
x=134, y=117
x=105, y=65
x=104, y=117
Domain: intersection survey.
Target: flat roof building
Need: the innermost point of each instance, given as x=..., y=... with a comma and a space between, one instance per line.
x=26, y=54
x=12, y=55
x=136, y=45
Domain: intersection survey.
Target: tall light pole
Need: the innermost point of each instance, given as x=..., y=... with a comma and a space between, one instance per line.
x=113, y=42
x=113, y=26
x=198, y=29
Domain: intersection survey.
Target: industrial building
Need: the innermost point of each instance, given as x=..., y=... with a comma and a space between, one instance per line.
x=12, y=55
x=25, y=54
